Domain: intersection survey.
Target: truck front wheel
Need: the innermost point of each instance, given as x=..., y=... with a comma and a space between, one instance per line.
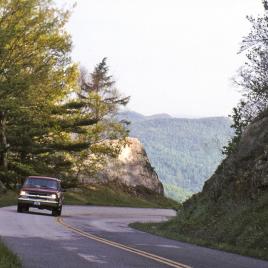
x=19, y=208
x=56, y=212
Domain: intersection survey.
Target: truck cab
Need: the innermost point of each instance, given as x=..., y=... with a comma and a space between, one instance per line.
x=42, y=193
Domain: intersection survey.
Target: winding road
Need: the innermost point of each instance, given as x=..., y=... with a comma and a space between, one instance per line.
x=88, y=236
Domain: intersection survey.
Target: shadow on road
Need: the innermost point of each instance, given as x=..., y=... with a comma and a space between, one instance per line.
x=39, y=213
x=45, y=213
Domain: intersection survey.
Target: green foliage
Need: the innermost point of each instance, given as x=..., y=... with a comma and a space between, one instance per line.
x=237, y=228
x=8, y=198
x=91, y=119
x=184, y=152
x=239, y=124
x=7, y=258
x=252, y=78
x=116, y=195
x=35, y=73
x=52, y=116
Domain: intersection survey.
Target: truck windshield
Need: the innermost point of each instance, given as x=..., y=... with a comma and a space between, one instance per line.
x=41, y=183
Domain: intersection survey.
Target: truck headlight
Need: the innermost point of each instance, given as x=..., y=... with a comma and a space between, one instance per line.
x=23, y=193
x=54, y=196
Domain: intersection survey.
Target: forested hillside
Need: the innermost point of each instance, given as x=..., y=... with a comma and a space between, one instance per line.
x=184, y=152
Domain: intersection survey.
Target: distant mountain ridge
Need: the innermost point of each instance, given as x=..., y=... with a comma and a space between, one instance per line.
x=134, y=116
x=185, y=152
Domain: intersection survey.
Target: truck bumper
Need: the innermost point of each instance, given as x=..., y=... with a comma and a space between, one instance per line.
x=37, y=203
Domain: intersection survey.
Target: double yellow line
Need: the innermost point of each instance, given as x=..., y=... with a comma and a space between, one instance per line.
x=123, y=247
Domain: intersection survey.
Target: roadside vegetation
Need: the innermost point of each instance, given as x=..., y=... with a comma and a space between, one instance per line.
x=7, y=258
x=242, y=230
x=8, y=198
x=117, y=195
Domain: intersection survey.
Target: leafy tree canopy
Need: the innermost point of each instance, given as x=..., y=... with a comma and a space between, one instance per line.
x=252, y=78
x=51, y=113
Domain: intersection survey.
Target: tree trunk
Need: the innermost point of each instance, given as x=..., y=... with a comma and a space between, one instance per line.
x=3, y=141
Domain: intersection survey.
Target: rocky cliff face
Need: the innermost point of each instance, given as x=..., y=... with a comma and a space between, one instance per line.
x=131, y=168
x=232, y=209
x=244, y=174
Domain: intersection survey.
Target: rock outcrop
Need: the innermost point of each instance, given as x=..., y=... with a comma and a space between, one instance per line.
x=232, y=209
x=244, y=174
x=131, y=168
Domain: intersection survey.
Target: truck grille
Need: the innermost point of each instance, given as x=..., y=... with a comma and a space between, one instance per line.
x=40, y=196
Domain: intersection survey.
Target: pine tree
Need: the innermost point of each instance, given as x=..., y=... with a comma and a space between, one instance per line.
x=51, y=121
x=94, y=108
x=35, y=73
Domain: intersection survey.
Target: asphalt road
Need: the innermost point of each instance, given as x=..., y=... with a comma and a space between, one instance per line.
x=87, y=236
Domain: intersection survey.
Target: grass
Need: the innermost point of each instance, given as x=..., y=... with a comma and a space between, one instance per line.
x=8, y=198
x=7, y=258
x=241, y=230
x=115, y=195
x=167, y=231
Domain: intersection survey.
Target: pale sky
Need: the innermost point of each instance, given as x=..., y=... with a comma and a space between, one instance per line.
x=170, y=56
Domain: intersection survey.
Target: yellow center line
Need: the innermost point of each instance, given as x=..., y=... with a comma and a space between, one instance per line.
x=139, y=252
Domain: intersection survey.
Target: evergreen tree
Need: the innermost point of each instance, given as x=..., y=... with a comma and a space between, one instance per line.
x=35, y=73
x=43, y=128
x=96, y=104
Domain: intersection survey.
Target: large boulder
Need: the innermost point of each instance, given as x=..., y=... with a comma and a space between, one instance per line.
x=131, y=168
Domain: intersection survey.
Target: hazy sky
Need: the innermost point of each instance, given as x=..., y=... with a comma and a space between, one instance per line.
x=170, y=56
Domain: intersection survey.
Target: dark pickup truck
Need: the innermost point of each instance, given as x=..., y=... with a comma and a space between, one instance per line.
x=42, y=193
